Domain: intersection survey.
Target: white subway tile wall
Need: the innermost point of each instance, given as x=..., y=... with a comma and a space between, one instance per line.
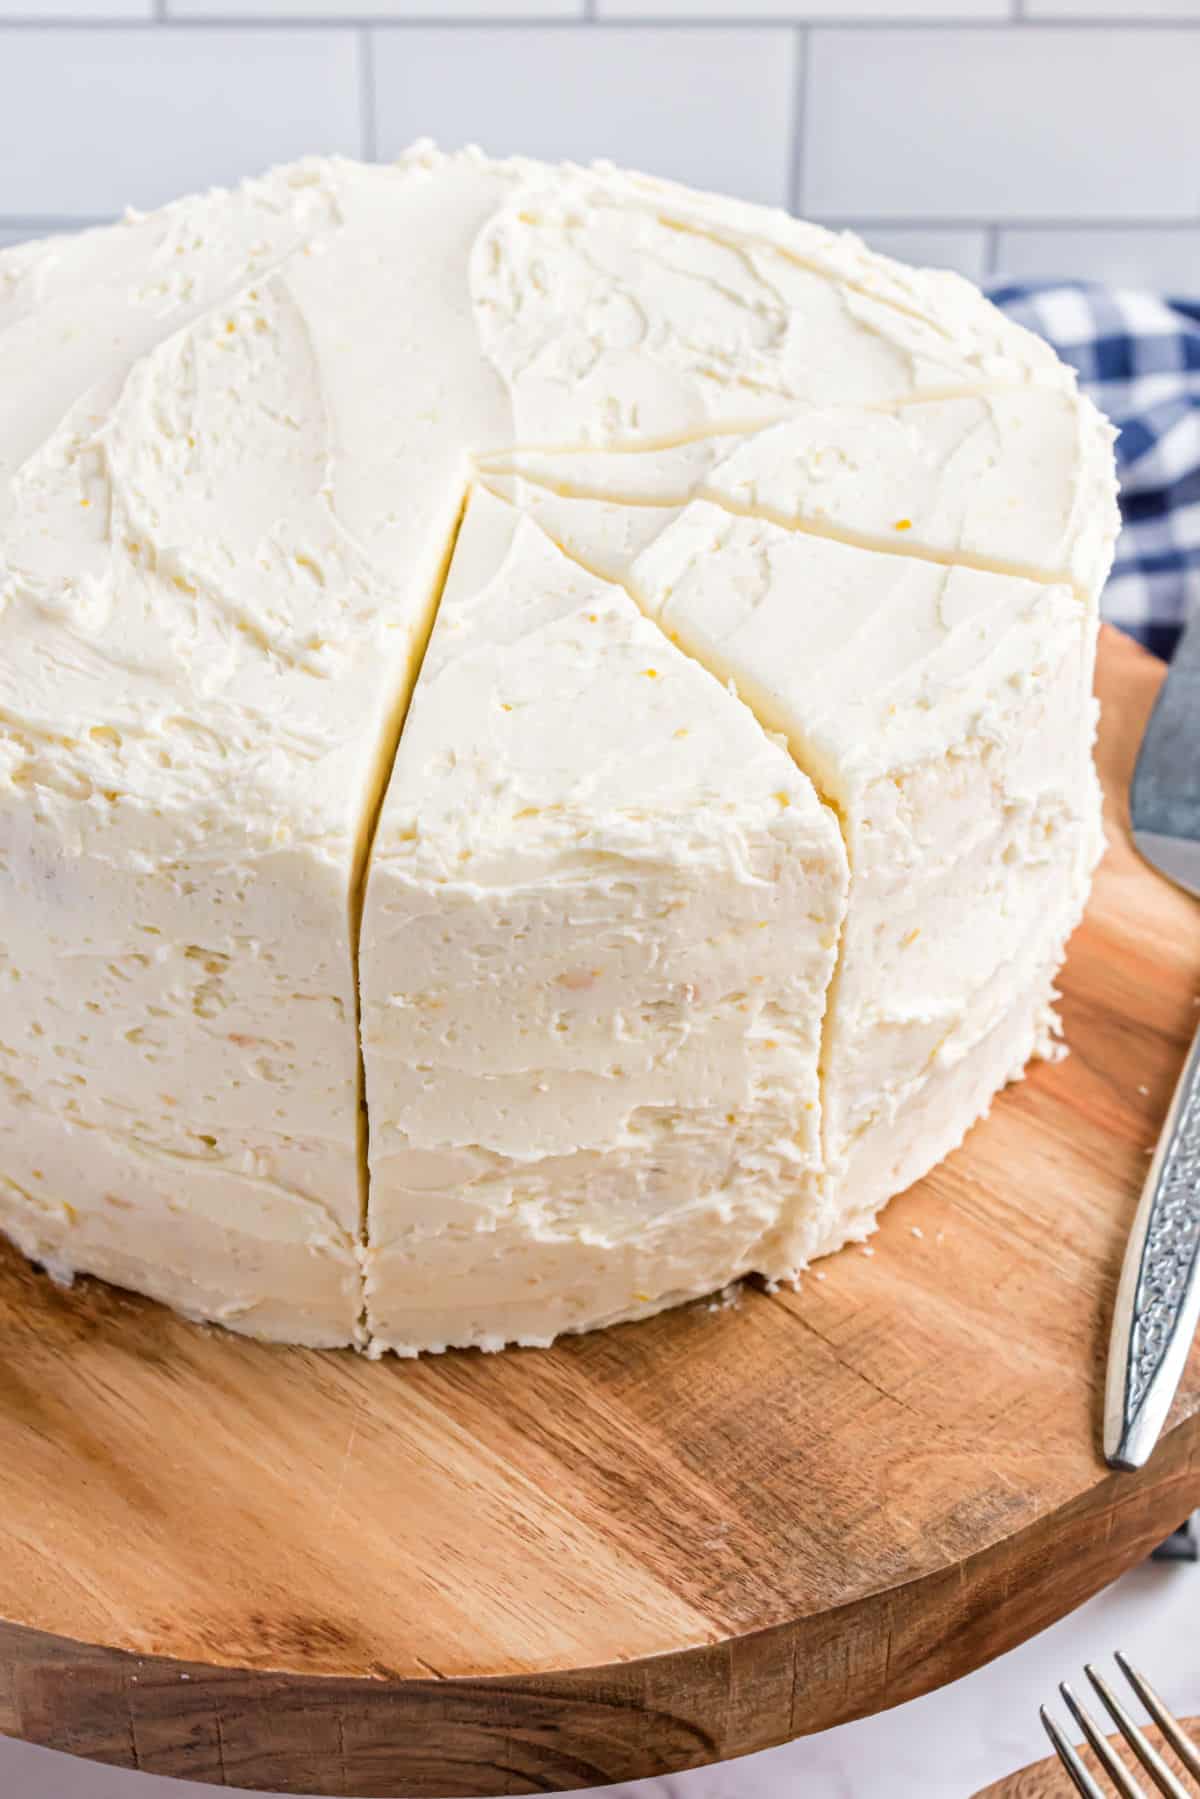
x=81, y=9
x=815, y=9
x=1165, y=257
x=94, y=118
x=704, y=104
x=1112, y=9
x=965, y=249
x=997, y=137
x=1000, y=122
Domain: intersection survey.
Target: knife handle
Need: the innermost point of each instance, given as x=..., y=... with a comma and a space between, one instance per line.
x=1158, y=1300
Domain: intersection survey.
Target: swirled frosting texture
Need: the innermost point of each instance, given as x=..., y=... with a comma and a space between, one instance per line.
x=694, y=889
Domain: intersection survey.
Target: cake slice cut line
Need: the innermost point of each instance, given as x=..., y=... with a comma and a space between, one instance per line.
x=852, y=540
x=500, y=460
x=385, y=761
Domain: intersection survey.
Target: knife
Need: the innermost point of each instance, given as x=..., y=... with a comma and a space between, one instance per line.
x=1158, y=1300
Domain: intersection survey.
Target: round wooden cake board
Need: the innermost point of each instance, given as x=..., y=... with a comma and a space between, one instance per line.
x=648, y=1548
x=1049, y=1779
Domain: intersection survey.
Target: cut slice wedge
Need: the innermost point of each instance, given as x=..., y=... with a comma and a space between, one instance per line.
x=945, y=712
x=601, y=921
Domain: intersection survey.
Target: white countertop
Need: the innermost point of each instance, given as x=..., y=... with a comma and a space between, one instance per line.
x=944, y=1746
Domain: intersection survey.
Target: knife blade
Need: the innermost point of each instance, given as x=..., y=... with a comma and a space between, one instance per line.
x=1164, y=797
x=1158, y=1298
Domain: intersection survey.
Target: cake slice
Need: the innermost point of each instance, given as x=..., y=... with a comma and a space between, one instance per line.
x=945, y=713
x=843, y=571
x=600, y=925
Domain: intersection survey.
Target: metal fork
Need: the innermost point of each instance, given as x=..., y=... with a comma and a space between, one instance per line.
x=1128, y=1788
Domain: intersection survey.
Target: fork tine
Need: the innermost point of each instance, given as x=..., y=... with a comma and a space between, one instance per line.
x=1170, y=1726
x=1081, y=1780
x=1149, y=1757
x=1112, y=1764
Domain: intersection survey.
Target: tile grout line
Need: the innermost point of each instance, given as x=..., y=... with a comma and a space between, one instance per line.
x=386, y=752
x=820, y=531
x=1015, y=22
x=42, y=224
x=367, y=94
x=799, y=99
x=56, y=221
x=991, y=251
x=1008, y=222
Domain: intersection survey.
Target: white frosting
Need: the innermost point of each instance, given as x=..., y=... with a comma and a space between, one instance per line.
x=946, y=712
x=217, y=576
x=608, y=1061
x=601, y=922
x=624, y=310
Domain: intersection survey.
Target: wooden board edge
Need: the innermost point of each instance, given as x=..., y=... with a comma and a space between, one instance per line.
x=462, y=1739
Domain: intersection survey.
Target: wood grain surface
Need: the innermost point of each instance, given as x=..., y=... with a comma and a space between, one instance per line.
x=1048, y=1780
x=648, y=1548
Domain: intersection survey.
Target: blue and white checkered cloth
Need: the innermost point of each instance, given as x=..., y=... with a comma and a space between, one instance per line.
x=1139, y=359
